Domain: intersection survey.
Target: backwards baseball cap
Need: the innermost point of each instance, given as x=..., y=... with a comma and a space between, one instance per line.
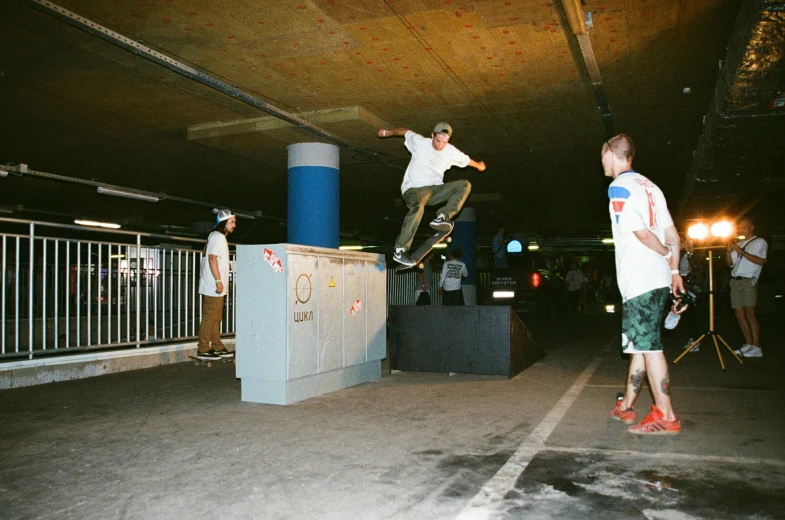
x=443, y=128
x=222, y=215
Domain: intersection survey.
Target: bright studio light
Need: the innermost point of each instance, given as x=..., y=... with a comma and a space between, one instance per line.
x=722, y=229
x=698, y=231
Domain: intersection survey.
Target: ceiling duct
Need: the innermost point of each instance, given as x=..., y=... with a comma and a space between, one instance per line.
x=742, y=141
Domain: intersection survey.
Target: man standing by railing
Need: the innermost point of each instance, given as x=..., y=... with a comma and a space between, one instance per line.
x=213, y=285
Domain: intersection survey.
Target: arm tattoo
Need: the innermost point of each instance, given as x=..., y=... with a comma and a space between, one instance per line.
x=665, y=384
x=636, y=380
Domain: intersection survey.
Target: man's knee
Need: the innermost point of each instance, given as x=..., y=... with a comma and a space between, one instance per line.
x=465, y=185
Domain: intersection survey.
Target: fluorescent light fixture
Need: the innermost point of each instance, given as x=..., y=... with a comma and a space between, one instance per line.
x=93, y=223
x=777, y=296
x=351, y=248
x=3, y=173
x=118, y=256
x=103, y=190
x=441, y=245
x=610, y=309
x=504, y=294
x=607, y=241
x=533, y=246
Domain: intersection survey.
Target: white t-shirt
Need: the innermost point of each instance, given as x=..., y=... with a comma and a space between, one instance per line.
x=743, y=267
x=636, y=203
x=428, y=165
x=452, y=273
x=574, y=280
x=218, y=246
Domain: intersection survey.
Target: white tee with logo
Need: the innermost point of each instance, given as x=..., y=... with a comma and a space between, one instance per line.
x=636, y=203
x=452, y=273
x=428, y=165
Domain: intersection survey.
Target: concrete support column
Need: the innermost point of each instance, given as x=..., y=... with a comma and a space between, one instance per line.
x=314, y=195
x=464, y=237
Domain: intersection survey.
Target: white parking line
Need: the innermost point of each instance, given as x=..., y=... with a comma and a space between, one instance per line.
x=481, y=505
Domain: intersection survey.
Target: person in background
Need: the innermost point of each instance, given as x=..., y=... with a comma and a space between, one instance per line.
x=453, y=272
x=422, y=295
x=746, y=259
x=213, y=285
x=500, y=250
x=573, y=283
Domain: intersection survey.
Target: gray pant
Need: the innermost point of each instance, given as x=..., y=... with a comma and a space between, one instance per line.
x=453, y=193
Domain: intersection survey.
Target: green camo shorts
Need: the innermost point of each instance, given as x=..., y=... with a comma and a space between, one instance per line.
x=641, y=320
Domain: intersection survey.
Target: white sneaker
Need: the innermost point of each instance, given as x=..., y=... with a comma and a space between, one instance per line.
x=689, y=342
x=753, y=351
x=741, y=351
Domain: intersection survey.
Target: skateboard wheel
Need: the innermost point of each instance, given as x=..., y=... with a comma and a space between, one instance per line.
x=209, y=364
x=448, y=239
x=420, y=266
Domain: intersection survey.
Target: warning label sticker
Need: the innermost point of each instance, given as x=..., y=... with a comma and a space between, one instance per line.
x=355, y=307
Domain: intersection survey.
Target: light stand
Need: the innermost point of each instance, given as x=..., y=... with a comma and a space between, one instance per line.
x=711, y=333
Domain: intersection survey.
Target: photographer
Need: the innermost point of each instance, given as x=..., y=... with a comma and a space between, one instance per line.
x=746, y=259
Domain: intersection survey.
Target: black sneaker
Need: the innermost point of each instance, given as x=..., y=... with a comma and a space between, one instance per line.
x=224, y=353
x=210, y=355
x=403, y=258
x=442, y=223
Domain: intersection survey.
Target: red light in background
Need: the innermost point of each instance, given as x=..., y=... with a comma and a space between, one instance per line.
x=535, y=279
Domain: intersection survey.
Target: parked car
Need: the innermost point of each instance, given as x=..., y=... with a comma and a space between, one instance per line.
x=529, y=285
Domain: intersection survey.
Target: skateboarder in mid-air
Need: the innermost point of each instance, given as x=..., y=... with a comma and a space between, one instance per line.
x=423, y=183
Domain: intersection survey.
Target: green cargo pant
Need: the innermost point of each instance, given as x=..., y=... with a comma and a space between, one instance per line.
x=453, y=193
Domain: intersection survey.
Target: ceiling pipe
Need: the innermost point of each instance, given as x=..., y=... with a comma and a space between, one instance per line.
x=575, y=16
x=580, y=23
x=192, y=73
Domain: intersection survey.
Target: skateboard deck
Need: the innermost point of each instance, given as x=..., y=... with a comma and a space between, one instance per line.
x=209, y=362
x=426, y=247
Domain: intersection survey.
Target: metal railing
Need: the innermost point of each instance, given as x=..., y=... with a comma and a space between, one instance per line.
x=401, y=288
x=60, y=295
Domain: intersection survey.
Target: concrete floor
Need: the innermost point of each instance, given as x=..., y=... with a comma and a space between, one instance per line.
x=177, y=442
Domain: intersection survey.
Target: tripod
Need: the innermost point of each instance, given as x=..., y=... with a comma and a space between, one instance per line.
x=711, y=333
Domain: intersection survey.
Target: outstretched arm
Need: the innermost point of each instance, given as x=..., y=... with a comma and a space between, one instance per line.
x=479, y=165
x=396, y=132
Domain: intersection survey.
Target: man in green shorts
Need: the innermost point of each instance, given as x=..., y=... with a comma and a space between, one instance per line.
x=647, y=267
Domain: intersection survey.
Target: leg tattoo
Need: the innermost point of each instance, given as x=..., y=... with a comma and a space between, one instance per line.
x=636, y=380
x=665, y=385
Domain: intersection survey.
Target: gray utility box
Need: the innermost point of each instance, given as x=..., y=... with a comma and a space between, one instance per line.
x=310, y=320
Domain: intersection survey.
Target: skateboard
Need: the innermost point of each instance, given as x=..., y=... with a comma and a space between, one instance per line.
x=209, y=362
x=419, y=253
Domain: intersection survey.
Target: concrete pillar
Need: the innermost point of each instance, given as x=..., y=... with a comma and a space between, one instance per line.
x=464, y=237
x=314, y=198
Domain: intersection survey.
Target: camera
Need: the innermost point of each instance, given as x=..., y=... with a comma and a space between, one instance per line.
x=689, y=297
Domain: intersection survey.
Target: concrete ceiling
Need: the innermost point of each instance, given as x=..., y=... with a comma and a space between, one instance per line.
x=509, y=76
